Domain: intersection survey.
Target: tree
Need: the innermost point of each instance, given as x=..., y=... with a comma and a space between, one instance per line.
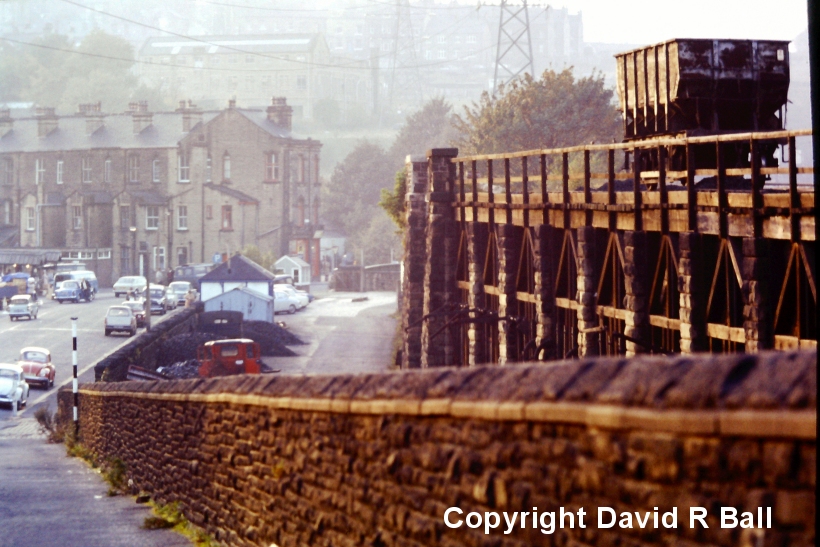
x=393, y=202
x=62, y=74
x=430, y=127
x=252, y=252
x=528, y=114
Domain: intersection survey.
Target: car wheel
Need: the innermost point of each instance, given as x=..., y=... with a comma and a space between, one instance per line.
x=291, y=309
x=76, y=300
x=132, y=332
x=107, y=332
x=51, y=382
x=60, y=301
x=19, y=404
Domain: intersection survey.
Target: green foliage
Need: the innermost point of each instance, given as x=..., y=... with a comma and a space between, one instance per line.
x=170, y=516
x=393, y=202
x=64, y=79
x=556, y=110
x=252, y=252
x=49, y=424
x=430, y=127
x=115, y=474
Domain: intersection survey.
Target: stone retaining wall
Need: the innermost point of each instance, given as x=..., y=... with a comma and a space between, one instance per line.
x=375, y=460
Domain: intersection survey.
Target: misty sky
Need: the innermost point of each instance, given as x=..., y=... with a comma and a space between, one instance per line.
x=649, y=21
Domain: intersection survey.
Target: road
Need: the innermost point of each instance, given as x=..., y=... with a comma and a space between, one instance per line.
x=52, y=330
x=345, y=333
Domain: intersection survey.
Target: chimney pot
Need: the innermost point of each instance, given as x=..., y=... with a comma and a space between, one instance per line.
x=46, y=120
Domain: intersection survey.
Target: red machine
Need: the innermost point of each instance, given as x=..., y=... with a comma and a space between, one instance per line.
x=229, y=357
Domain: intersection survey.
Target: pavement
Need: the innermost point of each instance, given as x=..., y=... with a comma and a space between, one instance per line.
x=48, y=498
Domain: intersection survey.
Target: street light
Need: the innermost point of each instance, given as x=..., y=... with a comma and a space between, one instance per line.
x=133, y=230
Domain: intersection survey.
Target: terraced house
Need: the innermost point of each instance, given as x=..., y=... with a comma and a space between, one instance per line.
x=144, y=192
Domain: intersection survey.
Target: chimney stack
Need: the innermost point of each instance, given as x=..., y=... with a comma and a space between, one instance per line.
x=6, y=122
x=232, y=103
x=93, y=116
x=46, y=120
x=191, y=115
x=280, y=113
x=140, y=115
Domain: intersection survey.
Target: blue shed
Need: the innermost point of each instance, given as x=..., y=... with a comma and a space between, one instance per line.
x=253, y=305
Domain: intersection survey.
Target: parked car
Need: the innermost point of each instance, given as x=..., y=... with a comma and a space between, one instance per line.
x=284, y=302
x=120, y=319
x=138, y=309
x=179, y=290
x=290, y=286
x=23, y=305
x=127, y=283
x=37, y=366
x=160, y=300
x=13, y=386
x=78, y=275
x=300, y=297
x=73, y=291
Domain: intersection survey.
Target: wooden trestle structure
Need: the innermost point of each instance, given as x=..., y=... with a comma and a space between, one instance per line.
x=518, y=256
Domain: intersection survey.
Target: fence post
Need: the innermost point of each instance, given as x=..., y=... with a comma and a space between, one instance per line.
x=75, y=387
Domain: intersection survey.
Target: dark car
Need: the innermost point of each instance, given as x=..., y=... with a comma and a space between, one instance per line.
x=138, y=307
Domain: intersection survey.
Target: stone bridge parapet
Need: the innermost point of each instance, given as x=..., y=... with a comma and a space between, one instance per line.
x=376, y=459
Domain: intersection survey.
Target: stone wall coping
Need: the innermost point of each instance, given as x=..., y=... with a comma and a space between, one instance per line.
x=793, y=424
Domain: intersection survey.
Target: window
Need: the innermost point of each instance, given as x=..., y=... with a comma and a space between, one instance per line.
x=107, y=171
x=134, y=169
x=182, y=217
x=316, y=169
x=86, y=169
x=182, y=255
x=31, y=221
x=60, y=172
x=208, y=170
x=155, y=170
x=226, y=167
x=248, y=58
x=39, y=171
x=227, y=220
x=81, y=255
x=6, y=212
x=159, y=258
x=271, y=167
x=152, y=217
x=442, y=39
x=184, y=168
x=77, y=217
x=125, y=260
x=302, y=168
x=471, y=39
x=295, y=275
x=209, y=212
x=104, y=255
x=301, y=83
x=8, y=171
x=125, y=217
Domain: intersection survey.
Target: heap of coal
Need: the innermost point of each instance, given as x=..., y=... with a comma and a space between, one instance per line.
x=272, y=338
x=182, y=347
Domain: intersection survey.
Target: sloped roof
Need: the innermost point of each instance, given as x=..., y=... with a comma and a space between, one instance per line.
x=260, y=119
x=295, y=260
x=117, y=131
x=245, y=290
x=147, y=197
x=232, y=192
x=238, y=268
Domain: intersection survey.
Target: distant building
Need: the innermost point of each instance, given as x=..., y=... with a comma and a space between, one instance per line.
x=236, y=273
x=141, y=191
x=252, y=67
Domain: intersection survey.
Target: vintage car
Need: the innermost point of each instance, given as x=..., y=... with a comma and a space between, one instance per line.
x=74, y=291
x=23, y=305
x=179, y=289
x=129, y=284
x=13, y=386
x=229, y=357
x=138, y=307
x=122, y=319
x=37, y=366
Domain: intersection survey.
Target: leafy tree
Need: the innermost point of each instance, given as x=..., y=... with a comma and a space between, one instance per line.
x=554, y=111
x=252, y=252
x=430, y=127
x=393, y=202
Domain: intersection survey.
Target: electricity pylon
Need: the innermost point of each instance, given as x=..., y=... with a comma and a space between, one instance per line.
x=514, y=52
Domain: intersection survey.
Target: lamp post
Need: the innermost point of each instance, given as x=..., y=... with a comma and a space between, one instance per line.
x=133, y=230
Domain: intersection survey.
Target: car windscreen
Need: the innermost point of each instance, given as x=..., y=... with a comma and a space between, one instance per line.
x=19, y=300
x=119, y=312
x=5, y=373
x=69, y=285
x=37, y=356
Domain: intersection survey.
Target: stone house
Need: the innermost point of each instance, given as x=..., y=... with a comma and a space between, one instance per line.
x=145, y=192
